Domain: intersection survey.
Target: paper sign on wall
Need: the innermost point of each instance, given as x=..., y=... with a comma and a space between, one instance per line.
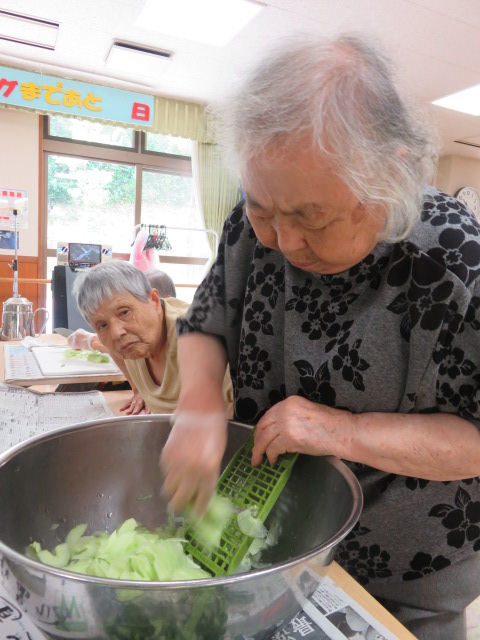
x=11, y=199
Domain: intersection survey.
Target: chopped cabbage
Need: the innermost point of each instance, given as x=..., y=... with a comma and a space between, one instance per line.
x=209, y=528
x=85, y=354
x=133, y=552
x=249, y=525
x=262, y=539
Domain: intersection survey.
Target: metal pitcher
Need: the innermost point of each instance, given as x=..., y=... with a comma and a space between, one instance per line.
x=18, y=319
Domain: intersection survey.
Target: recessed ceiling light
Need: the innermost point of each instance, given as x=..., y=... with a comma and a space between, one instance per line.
x=138, y=59
x=466, y=101
x=23, y=29
x=213, y=22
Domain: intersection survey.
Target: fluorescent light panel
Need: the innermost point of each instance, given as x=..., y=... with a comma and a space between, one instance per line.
x=23, y=29
x=466, y=101
x=213, y=22
x=137, y=59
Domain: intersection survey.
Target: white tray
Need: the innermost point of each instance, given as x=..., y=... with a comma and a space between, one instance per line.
x=52, y=363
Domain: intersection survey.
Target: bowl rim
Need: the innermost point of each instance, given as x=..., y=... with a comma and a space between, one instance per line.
x=20, y=558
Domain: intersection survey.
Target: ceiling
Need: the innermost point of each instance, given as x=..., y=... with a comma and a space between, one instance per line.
x=435, y=45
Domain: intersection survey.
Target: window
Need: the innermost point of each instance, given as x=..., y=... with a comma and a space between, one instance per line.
x=88, y=131
x=101, y=182
x=158, y=143
x=169, y=200
x=90, y=201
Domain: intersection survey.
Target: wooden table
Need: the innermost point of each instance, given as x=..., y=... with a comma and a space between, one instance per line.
x=115, y=400
x=368, y=602
x=54, y=338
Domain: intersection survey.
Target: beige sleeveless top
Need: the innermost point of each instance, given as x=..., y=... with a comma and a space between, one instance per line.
x=163, y=398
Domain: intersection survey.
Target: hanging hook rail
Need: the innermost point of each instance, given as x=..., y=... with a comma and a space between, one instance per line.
x=146, y=226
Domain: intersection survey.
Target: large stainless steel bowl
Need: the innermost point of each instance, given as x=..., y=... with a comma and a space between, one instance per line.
x=98, y=472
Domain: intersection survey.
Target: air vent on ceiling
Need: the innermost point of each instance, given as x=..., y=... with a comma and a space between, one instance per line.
x=141, y=49
x=137, y=59
x=472, y=142
x=28, y=30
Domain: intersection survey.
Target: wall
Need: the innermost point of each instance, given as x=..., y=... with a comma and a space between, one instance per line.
x=454, y=172
x=19, y=169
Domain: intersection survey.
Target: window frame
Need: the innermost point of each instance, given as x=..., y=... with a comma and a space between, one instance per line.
x=149, y=152
x=136, y=156
x=48, y=136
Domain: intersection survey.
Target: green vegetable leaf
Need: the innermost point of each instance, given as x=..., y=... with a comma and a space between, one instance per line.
x=209, y=528
x=131, y=552
x=85, y=354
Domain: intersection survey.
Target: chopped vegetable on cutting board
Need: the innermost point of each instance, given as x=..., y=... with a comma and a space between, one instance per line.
x=85, y=354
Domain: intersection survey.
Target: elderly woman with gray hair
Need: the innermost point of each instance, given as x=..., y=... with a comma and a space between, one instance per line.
x=346, y=299
x=81, y=339
x=137, y=328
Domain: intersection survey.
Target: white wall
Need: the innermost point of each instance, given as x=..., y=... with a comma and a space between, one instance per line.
x=19, y=169
x=454, y=172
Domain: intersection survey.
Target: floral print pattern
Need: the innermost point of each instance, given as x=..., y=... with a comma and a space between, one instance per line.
x=423, y=564
x=398, y=332
x=461, y=519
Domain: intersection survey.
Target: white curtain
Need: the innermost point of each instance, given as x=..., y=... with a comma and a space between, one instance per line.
x=217, y=190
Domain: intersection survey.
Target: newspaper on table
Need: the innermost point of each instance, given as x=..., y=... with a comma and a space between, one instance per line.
x=14, y=623
x=328, y=613
x=25, y=413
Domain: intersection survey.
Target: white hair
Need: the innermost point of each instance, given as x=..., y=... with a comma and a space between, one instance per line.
x=338, y=94
x=103, y=281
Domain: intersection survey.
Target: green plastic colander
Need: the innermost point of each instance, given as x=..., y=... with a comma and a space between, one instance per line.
x=245, y=486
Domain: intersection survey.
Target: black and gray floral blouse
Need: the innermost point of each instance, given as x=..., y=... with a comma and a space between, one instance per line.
x=399, y=332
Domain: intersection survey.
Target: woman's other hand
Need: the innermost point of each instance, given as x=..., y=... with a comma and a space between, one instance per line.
x=80, y=339
x=134, y=405
x=298, y=425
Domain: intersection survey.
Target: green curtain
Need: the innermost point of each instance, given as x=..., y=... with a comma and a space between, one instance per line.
x=217, y=189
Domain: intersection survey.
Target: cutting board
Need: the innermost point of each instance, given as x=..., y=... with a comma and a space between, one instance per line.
x=52, y=362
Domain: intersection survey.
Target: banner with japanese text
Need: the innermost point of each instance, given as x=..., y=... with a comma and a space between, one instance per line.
x=71, y=97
